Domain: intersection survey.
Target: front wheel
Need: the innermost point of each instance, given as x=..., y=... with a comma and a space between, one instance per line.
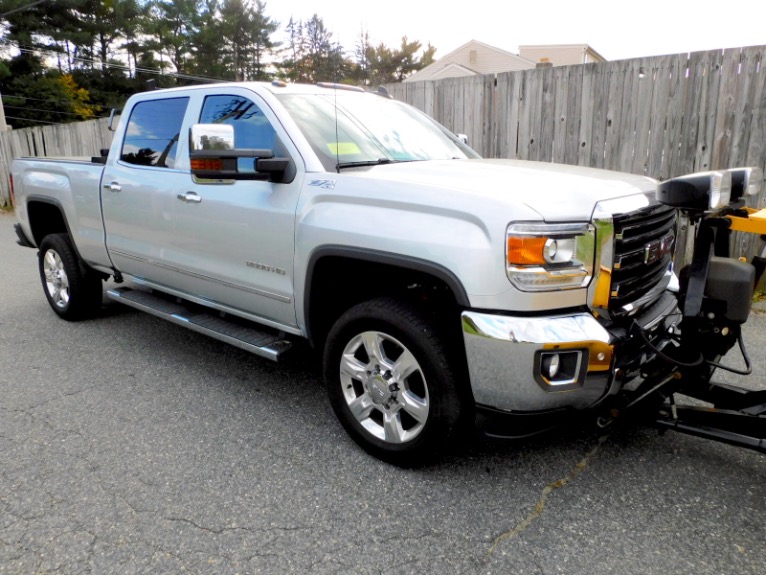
x=390, y=382
x=73, y=291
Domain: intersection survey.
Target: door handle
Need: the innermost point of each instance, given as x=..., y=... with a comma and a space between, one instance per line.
x=113, y=187
x=190, y=198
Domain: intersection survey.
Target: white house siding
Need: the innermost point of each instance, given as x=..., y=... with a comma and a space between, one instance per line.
x=561, y=54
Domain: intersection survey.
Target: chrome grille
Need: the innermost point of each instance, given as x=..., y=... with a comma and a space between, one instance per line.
x=643, y=249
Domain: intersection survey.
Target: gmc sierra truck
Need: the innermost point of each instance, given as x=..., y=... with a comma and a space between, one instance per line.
x=445, y=292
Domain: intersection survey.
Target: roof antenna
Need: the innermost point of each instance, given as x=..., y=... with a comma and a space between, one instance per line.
x=335, y=97
x=337, y=140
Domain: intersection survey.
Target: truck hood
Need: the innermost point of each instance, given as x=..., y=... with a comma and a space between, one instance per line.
x=555, y=191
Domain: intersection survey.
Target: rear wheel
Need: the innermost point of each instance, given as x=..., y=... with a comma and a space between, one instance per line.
x=390, y=382
x=73, y=291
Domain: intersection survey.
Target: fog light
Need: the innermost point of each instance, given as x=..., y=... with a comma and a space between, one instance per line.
x=561, y=370
x=551, y=364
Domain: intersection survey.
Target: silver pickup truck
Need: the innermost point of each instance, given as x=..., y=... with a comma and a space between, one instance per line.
x=445, y=291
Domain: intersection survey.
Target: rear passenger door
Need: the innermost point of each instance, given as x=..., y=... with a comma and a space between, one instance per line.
x=139, y=187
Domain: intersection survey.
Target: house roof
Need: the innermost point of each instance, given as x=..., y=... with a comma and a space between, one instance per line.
x=453, y=70
x=488, y=60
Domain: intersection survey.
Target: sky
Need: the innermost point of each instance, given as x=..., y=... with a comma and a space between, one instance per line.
x=615, y=29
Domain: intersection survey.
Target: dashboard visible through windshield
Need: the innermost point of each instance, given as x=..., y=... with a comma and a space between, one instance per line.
x=354, y=129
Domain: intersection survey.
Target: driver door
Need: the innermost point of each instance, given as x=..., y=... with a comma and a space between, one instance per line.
x=234, y=240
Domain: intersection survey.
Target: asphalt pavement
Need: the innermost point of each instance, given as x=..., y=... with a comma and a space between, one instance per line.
x=130, y=445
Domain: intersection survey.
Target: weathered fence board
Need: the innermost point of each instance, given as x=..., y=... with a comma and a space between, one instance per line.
x=619, y=82
x=574, y=97
x=623, y=137
x=508, y=94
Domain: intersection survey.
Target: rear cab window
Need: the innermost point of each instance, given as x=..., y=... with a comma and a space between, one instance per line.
x=151, y=137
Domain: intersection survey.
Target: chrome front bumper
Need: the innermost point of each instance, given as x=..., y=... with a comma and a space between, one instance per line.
x=507, y=355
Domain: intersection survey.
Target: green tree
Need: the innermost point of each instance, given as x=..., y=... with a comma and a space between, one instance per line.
x=313, y=56
x=112, y=22
x=325, y=61
x=49, y=97
x=171, y=25
x=235, y=26
x=210, y=58
x=111, y=48
x=262, y=28
x=360, y=72
x=408, y=60
x=290, y=67
x=383, y=65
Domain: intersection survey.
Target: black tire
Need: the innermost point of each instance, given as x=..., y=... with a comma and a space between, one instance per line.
x=73, y=291
x=405, y=417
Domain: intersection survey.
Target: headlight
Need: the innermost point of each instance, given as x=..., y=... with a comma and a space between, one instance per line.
x=700, y=191
x=547, y=257
x=745, y=182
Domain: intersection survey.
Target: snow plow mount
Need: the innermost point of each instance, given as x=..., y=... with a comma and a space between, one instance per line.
x=715, y=296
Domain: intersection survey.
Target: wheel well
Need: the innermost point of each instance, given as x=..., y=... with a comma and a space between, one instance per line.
x=45, y=219
x=336, y=283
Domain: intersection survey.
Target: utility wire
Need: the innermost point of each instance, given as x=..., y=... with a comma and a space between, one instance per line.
x=20, y=8
x=50, y=111
x=61, y=102
x=54, y=102
x=33, y=121
x=124, y=67
x=44, y=100
x=32, y=50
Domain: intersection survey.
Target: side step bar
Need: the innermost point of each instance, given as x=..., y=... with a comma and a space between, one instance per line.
x=262, y=342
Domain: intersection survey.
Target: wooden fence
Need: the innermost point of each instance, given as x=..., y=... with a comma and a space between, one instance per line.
x=78, y=139
x=660, y=116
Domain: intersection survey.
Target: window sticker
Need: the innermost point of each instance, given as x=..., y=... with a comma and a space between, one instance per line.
x=343, y=148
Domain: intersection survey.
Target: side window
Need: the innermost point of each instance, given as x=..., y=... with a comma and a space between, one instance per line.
x=152, y=135
x=251, y=128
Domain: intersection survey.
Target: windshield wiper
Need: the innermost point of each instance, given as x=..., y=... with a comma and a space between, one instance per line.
x=378, y=162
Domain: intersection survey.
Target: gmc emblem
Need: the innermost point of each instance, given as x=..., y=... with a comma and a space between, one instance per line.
x=658, y=249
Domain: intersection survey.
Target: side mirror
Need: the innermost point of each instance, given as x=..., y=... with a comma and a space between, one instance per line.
x=114, y=118
x=214, y=157
x=463, y=138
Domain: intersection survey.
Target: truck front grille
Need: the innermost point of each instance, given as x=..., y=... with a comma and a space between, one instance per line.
x=643, y=249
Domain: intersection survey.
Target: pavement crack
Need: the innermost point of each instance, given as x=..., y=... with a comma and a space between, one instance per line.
x=218, y=531
x=222, y=530
x=539, y=507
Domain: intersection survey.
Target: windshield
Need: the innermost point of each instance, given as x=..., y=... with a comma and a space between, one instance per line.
x=352, y=129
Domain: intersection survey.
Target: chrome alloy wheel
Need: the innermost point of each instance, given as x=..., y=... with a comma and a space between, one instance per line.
x=56, y=280
x=384, y=387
